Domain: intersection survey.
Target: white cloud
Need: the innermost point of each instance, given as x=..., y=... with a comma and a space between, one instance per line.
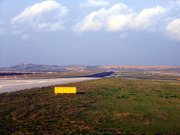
x=118, y=22
x=94, y=3
x=25, y=37
x=144, y=19
x=174, y=29
x=97, y=20
x=46, y=15
x=88, y=23
x=119, y=17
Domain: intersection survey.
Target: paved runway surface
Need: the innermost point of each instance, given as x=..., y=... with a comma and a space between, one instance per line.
x=11, y=85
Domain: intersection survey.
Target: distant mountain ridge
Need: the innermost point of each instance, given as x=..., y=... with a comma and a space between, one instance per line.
x=28, y=67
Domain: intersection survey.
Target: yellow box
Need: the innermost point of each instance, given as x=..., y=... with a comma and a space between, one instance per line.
x=65, y=90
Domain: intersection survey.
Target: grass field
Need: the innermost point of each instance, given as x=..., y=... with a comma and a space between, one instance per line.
x=148, y=75
x=104, y=106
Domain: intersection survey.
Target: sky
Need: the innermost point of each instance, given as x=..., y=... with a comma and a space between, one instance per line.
x=90, y=32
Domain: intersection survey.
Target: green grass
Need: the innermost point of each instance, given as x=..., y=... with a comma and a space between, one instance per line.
x=105, y=106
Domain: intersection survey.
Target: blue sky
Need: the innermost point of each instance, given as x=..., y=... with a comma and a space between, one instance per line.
x=90, y=32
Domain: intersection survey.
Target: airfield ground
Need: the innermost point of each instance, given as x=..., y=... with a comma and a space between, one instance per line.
x=162, y=76
x=12, y=74
x=103, y=106
x=12, y=85
x=15, y=84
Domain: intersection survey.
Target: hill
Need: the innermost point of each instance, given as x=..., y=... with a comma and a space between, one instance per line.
x=28, y=67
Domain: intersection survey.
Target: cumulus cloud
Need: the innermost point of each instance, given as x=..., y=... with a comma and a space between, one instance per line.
x=97, y=20
x=46, y=15
x=174, y=29
x=144, y=18
x=25, y=37
x=118, y=22
x=118, y=17
x=88, y=23
x=94, y=3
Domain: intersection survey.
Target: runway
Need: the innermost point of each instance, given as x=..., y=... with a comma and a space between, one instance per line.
x=12, y=85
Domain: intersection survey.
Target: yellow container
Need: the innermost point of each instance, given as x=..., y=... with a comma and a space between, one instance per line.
x=65, y=90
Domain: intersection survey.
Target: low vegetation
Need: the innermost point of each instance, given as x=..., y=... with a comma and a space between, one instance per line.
x=104, y=106
x=149, y=75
